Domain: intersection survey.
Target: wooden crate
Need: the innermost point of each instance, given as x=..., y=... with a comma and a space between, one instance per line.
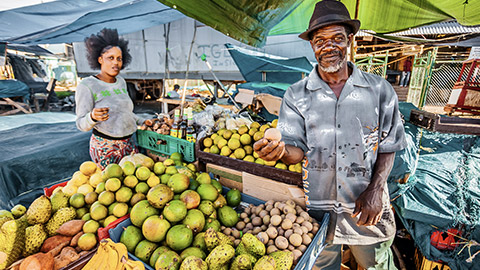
x=227, y=177
x=267, y=189
x=422, y=263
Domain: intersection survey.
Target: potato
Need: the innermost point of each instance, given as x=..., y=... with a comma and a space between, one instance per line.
x=308, y=225
x=269, y=202
x=298, y=231
x=287, y=224
x=276, y=220
x=263, y=227
x=288, y=209
x=269, y=207
x=271, y=249
x=295, y=239
x=288, y=233
x=227, y=231
x=275, y=211
x=243, y=215
x=302, y=248
x=241, y=225
x=237, y=242
x=299, y=220
x=263, y=213
x=55, y=241
x=296, y=255
x=39, y=261
x=266, y=220
x=263, y=237
x=272, y=232
x=235, y=233
x=257, y=230
x=281, y=242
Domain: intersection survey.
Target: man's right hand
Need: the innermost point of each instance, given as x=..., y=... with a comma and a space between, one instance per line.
x=100, y=114
x=269, y=150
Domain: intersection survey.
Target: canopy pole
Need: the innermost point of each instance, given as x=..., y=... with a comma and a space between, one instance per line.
x=353, y=44
x=182, y=104
x=166, y=74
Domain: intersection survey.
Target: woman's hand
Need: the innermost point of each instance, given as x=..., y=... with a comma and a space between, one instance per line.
x=100, y=114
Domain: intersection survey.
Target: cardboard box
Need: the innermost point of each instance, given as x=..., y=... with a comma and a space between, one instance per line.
x=422, y=263
x=266, y=189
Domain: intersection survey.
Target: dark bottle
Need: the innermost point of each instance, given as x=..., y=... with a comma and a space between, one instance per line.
x=174, y=131
x=182, y=132
x=191, y=132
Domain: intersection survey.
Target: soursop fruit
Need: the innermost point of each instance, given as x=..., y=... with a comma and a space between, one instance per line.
x=4, y=219
x=61, y=216
x=58, y=200
x=39, y=211
x=34, y=237
x=12, y=241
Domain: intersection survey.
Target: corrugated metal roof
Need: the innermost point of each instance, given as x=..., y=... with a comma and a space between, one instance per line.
x=450, y=27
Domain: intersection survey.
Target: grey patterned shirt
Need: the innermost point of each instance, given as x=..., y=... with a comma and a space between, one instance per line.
x=94, y=93
x=341, y=139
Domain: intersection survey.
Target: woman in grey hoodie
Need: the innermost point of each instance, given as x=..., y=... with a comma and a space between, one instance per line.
x=102, y=101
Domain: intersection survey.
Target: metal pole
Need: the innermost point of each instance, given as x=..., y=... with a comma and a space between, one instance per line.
x=188, y=65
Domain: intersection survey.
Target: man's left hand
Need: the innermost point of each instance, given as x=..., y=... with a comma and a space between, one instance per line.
x=369, y=205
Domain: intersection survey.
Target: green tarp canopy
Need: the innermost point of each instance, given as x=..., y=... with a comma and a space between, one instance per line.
x=250, y=21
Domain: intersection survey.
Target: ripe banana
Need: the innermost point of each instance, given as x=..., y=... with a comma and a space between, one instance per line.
x=133, y=265
x=112, y=259
x=96, y=259
x=122, y=251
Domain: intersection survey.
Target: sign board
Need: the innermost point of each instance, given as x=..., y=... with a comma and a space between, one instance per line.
x=3, y=54
x=474, y=53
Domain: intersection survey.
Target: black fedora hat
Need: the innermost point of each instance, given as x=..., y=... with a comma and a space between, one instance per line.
x=328, y=12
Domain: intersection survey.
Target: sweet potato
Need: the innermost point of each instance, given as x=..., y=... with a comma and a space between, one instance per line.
x=55, y=251
x=74, y=241
x=67, y=256
x=39, y=261
x=71, y=227
x=54, y=241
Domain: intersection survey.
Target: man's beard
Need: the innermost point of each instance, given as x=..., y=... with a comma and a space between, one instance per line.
x=336, y=67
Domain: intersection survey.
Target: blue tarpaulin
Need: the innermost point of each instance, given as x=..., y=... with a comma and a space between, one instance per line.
x=67, y=21
x=14, y=88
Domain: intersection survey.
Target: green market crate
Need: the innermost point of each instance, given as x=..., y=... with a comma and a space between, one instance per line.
x=166, y=144
x=307, y=260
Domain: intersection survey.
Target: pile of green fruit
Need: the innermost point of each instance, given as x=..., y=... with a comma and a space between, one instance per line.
x=175, y=215
x=238, y=144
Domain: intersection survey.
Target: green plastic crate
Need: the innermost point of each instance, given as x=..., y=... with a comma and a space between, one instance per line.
x=166, y=144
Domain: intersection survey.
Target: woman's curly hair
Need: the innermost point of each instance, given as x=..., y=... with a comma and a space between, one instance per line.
x=103, y=41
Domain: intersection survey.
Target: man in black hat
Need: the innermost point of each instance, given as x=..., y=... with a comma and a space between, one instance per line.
x=345, y=126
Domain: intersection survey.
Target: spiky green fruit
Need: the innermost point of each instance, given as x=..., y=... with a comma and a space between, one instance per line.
x=283, y=259
x=61, y=216
x=58, y=200
x=265, y=263
x=12, y=241
x=220, y=256
x=34, y=237
x=39, y=211
x=253, y=245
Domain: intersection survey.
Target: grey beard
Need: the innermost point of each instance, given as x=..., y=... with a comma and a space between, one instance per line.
x=332, y=69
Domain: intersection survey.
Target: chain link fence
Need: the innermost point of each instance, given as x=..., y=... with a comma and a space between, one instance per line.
x=444, y=76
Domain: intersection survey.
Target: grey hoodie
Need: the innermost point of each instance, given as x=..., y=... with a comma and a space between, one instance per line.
x=94, y=93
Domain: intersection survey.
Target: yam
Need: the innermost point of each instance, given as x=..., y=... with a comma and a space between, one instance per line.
x=55, y=241
x=55, y=251
x=38, y=261
x=71, y=228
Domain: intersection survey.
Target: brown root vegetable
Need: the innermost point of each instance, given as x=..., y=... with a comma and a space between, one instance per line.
x=236, y=233
x=270, y=202
x=290, y=247
x=306, y=240
x=275, y=211
x=257, y=221
x=55, y=251
x=74, y=241
x=241, y=225
x=287, y=224
x=270, y=242
x=269, y=207
x=305, y=215
x=281, y=242
x=243, y=215
x=291, y=216
x=55, y=241
x=295, y=239
x=304, y=229
x=296, y=255
x=69, y=254
x=302, y=248
x=276, y=220
x=315, y=229
x=311, y=235
x=288, y=233
x=290, y=203
x=308, y=225
x=272, y=232
x=247, y=220
x=263, y=227
x=298, y=231
x=257, y=230
x=299, y=220
x=39, y=261
x=83, y=253
x=263, y=237
x=263, y=213
x=227, y=231
x=271, y=249
x=288, y=209
x=266, y=220
x=237, y=242
x=71, y=228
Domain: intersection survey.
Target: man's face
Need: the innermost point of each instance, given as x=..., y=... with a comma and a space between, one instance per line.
x=330, y=45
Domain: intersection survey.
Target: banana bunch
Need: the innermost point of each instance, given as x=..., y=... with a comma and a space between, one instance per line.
x=112, y=256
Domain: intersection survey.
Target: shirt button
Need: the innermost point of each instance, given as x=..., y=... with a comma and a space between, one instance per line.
x=339, y=187
x=339, y=204
x=338, y=126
